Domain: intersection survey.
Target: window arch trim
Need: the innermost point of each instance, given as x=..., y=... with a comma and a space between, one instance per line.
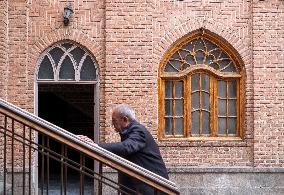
x=184, y=74
x=208, y=35
x=77, y=66
x=199, y=68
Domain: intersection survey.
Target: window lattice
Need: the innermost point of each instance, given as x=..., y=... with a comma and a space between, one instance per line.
x=67, y=62
x=200, y=90
x=200, y=52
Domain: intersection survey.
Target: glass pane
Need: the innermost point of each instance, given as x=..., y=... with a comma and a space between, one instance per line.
x=178, y=89
x=199, y=45
x=210, y=46
x=222, y=126
x=67, y=70
x=168, y=108
x=209, y=59
x=195, y=82
x=88, y=70
x=176, y=63
x=169, y=68
x=216, y=53
x=199, y=57
x=222, y=89
x=222, y=107
x=232, y=126
x=178, y=107
x=195, y=123
x=168, y=89
x=224, y=63
x=56, y=54
x=215, y=66
x=183, y=54
x=232, y=107
x=205, y=82
x=230, y=68
x=188, y=47
x=168, y=126
x=45, y=69
x=67, y=45
x=175, y=56
x=205, y=123
x=179, y=126
x=185, y=66
x=223, y=55
x=232, y=89
x=205, y=101
x=190, y=59
x=77, y=54
x=195, y=100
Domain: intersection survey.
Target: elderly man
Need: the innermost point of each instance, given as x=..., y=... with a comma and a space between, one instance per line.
x=137, y=145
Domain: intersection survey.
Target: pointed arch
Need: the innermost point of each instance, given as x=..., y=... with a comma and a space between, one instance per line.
x=201, y=89
x=67, y=59
x=61, y=35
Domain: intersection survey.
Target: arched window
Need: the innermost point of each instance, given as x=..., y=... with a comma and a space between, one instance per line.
x=201, y=90
x=67, y=62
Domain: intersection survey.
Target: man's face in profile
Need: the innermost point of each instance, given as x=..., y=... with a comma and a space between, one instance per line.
x=118, y=121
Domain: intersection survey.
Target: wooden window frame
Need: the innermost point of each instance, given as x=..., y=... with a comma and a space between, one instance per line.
x=214, y=76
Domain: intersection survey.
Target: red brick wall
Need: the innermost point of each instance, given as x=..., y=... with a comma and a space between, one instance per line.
x=230, y=20
x=129, y=39
x=17, y=83
x=269, y=83
x=3, y=46
x=139, y=33
x=131, y=76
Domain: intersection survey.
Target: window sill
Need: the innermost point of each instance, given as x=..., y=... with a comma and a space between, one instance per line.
x=203, y=142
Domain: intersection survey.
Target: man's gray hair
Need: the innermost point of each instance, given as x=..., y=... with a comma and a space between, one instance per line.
x=125, y=110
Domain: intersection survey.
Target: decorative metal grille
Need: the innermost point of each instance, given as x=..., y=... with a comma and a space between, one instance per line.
x=200, y=52
x=67, y=62
x=201, y=84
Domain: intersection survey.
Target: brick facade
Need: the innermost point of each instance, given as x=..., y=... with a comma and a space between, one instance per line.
x=129, y=39
x=268, y=70
x=3, y=45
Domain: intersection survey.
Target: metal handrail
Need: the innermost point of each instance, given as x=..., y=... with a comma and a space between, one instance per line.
x=92, y=150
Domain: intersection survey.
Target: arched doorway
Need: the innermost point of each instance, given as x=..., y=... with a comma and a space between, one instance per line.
x=67, y=94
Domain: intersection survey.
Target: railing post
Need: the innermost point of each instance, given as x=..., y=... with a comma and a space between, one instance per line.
x=82, y=176
x=47, y=165
x=30, y=161
x=14, y=116
x=100, y=187
x=24, y=159
x=42, y=164
x=5, y=149
x=12, y=153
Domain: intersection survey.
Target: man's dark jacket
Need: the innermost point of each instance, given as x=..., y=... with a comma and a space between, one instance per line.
x=138, y=146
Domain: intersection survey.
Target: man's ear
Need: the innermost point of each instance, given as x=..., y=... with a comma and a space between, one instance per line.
x=125, y=119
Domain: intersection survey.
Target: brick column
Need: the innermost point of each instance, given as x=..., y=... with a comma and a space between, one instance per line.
x=268, y=24
x=3, y=47
x=18, y=50
x=130, y=75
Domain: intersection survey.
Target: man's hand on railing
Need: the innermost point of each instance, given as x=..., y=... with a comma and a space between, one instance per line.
x=86, y=139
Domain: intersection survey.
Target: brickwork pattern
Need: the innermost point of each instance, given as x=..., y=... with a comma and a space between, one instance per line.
x=32, y=27
x=129, y=39
x=138, y=35
x=130, y=75
x=268, y=26
x=3, y=45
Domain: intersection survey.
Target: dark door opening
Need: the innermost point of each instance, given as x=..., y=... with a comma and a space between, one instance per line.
x=71, y=107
